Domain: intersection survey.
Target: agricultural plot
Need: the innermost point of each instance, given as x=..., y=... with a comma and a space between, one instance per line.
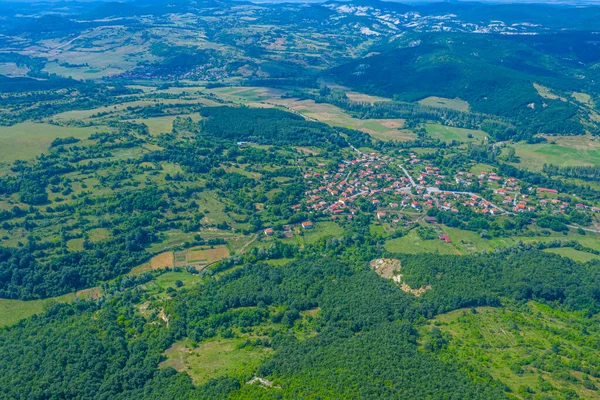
x=466, y=242
x=202, y=256
x=321, y=230
x=384, y=129
x=13, y=311
x=560, y=150
x=575, y=255
x=11, y=69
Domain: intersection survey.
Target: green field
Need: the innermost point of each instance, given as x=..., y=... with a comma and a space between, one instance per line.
x=441, y=102
x=575, y=255
x=448, y=133
x=567, y=151
x=466, y=242
x=12, y=311
x=214, y=359
x=412, y=244
x=321, y=230
x=530, y=349
x=27, y=140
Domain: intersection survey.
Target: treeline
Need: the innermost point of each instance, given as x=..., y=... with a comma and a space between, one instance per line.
x=459, y=281
x=266, y=126
x=586, y=173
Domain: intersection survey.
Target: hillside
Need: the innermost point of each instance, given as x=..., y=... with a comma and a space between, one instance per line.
x=495, y=75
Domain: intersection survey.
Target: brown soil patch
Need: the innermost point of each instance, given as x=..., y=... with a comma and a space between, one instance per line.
x=416, y=292
x=207, y=256
x=166, y=259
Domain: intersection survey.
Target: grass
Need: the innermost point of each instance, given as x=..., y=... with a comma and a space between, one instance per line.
x=215, y=215
x=546, y=92
x=168, y=279
x=12, y=69
x=448, y=133
x=321, y=230
x=412, y=244
x=441, y=102
x=583, y=98
x=75, y=244
x=575, y=255
x=98, y=234
x=13, y=311
x=514, y=345
x=467, y=242
x=564, y=151
x=280, y=262
x=27, y=140
x=479, y=168
x=159, y=125
x=214, y=359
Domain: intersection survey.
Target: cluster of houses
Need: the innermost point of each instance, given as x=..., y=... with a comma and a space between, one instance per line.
x=393, y=184
x=287, y=229
x=204, y=72
x=384, y=182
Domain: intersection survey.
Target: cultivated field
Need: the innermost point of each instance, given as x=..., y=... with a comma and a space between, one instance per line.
x=560, y=150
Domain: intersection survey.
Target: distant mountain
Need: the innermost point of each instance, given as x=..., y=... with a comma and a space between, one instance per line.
x=495, y=74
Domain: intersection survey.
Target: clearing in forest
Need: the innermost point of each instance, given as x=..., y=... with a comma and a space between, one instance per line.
x=214, y=359
x=389, y=268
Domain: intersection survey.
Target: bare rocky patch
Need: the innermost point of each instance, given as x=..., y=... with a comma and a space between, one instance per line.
x=389, y=268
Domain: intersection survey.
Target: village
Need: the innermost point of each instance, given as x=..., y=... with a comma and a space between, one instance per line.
x=396, y=188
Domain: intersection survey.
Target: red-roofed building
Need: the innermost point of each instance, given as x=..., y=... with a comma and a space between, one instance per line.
x=307, y=225
x=446, y=238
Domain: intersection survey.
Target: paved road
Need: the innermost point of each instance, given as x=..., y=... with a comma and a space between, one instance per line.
x=412, y=182
x=585, y=229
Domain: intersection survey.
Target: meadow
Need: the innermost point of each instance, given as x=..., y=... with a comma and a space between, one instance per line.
x=466, y=242
x=13, y=311
x=449, y=133
x=441, y=102
x=560, y=150
x=412, y=244
x=532, y=348
x=27, y=140
x=214, y=359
